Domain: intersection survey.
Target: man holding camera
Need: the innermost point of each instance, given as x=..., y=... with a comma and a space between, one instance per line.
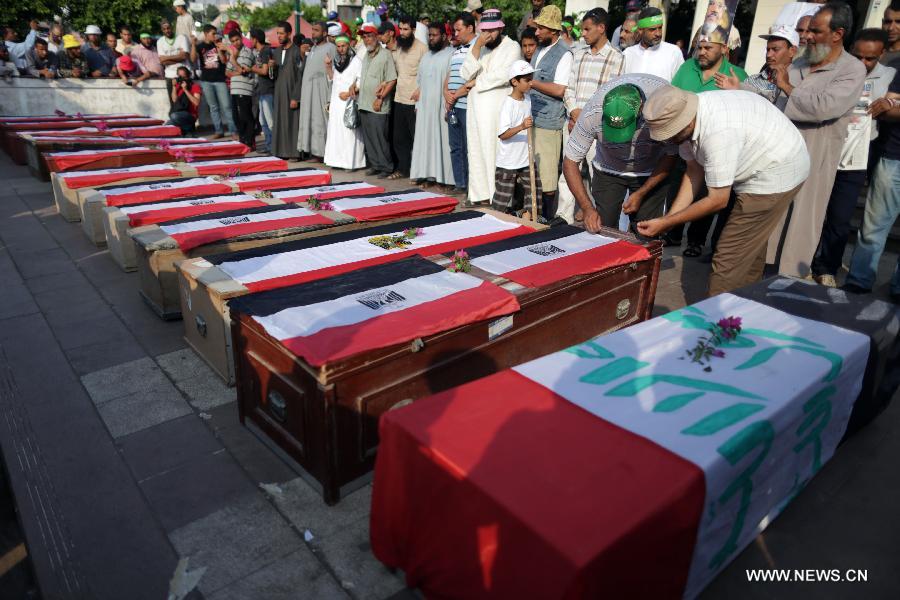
x=185, y=98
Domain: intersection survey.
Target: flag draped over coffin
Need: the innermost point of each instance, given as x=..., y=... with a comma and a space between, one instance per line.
x=376, y=207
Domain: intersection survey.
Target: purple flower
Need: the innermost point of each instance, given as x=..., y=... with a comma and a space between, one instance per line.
x=419, y=231
x=730, y=323
x=325, y=206
x=461, y=254
x=718, y=353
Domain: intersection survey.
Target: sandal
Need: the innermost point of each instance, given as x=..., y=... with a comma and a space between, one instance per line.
x=395, y=175
x=692, y=250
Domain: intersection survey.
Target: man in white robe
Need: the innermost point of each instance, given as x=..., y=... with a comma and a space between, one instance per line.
x=343, y=147
x=488, y=63
x=431, y=147
x=315, y=93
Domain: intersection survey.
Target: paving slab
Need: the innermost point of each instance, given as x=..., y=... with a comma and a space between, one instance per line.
x=128, y=414
x=166, y=446
x=124, y=380
x=297, y=576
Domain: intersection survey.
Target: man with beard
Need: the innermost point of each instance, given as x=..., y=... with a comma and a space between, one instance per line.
x=407, y=55
x=71, y=61
x=730, y=139
x=101, y=59
x=632, y=10
x=431, y=146
x=651, y=54
x=822, y=86
x=343, y=147
x=488, y=63
x=173, y=53
x=528, y=18
x=552, y=66
x=868, y=47
x=55, y=40
x=145, y=53
x=628, y=35
x=802, y=28
x=592, y=66
x=315, y=93
x=698, y=74
x=891, y=24
x=377, y=79
x=285, y=64
x=781, y=47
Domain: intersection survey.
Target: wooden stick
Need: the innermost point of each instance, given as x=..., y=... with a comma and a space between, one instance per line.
x=531, y=174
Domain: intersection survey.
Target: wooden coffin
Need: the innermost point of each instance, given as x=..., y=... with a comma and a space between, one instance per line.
x=326, y=418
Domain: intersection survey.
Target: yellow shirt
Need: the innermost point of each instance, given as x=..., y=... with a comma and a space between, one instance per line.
x=407, y=63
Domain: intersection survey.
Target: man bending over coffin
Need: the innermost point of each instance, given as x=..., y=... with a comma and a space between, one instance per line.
x=729, y=139
x=627, y=159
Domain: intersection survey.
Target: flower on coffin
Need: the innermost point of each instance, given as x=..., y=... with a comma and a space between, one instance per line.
x=59, y=113
x=413, y=232
x=707, y=347
x=263, y=194
x=188, y=157
x=79, y=115
x=102, y=126
x=315, y=203
x=460, y=262
x=397, y=240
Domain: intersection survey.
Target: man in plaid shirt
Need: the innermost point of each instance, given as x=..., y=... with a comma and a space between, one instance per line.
x=593, y=65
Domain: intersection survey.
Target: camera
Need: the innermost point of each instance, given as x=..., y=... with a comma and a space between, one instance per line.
x=179, y=80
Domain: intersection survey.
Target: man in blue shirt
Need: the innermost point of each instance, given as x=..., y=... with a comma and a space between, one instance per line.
x=101, y=59
x=18, y=50
x=455, y=98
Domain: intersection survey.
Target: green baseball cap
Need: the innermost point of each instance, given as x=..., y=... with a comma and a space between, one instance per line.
x=621, y=106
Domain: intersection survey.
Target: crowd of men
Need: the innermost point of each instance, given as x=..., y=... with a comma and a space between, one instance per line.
x=668, y=144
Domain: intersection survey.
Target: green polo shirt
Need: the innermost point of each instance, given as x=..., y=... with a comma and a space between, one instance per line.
x=375, y=71
x=690, y=76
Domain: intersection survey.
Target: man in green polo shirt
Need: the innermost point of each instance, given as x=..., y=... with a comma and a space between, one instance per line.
x=699, y=75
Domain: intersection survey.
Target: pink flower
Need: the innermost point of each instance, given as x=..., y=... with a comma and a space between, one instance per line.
x=165, y=145
x=188, y=157
x=102, y=126
x=718, y=353
x=461, y=254
x=233, y=172
x=179, y=154
x=326, y=206
x=419, y=231
x=79, y=115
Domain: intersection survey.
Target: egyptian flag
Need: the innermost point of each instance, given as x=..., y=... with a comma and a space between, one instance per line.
x=377, y=307
x=554, y=254
x=76, y=180
x=211, y=149
x=282, y=179
x=143, y=132
x=377, y=207
x=323, y=256
x=108, y=140
x=254, y=164
x=142, y=193
x=58, y=118
x=162, y=212
x=615, y=454
x=326, y=192
x=79, y=131
x=205, y=229
x=64, y=161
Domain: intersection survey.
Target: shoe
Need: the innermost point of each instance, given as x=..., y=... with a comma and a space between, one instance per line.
x=692, y=250
x=395, y=175
x=558, y=222
x=826, y=280
x=372, y=171
x=855, y=289
x=214, y=136
x=668, y=240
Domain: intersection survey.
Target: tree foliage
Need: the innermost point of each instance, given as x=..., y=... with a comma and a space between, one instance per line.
x=268, y=16
x=140, y=15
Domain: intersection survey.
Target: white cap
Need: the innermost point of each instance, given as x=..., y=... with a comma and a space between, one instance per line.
x=179, y=3
x=93, y=30
x=519, y=68
x=334, y=29
x=473, y=5
x=783, y=32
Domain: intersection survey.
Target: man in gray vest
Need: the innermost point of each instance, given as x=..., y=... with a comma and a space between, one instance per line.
x=552, y=66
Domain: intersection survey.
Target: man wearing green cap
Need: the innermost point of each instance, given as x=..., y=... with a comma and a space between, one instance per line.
x=146, y=54
x=650, y=54
x=627, y=159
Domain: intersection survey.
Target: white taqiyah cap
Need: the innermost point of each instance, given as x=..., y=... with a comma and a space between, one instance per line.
x=784, y=32
x=93, y=30
x=179, y=3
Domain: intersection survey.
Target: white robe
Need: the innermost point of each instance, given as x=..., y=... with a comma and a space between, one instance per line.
x=491, y=73
x=431, y=148
x=343, y=147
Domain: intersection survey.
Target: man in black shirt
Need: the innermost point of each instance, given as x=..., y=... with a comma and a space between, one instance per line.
x=265, y=84
x=212, y=54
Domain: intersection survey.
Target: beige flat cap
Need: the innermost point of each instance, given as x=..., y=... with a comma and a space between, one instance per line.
x=668, y=110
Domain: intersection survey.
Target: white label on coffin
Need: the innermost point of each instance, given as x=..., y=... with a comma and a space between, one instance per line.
x=275, y=215
x=123, y=171
x=306, y=260
x=346, y=204
x=302, y=321
x=278, y=175
x=308, y=191
x=526, y=256
x=140, y=208
x=237, y=162
x=167, y=185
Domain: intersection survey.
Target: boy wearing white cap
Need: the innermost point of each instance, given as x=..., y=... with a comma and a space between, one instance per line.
x=184, y=23
x=512, y=173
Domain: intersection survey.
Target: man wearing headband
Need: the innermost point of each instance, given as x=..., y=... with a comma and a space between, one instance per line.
x=431, y=148
x=488, y=64
x=145, y=53
x=627, y=159
x=315, y=92
x=651, y=54
x=343, y=147
x=730, y=139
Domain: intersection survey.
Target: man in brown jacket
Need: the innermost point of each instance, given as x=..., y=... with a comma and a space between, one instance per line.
x=822, y=87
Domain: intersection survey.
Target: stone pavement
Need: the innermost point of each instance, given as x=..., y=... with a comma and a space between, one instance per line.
x=125, y=453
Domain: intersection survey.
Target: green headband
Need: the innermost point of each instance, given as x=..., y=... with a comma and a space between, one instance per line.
x=650, y=22
x=143, y=35
x=342, y=38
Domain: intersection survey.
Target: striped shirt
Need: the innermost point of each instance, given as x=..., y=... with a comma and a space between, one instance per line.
x=636, y=158
x=590, y=71
x=455, y=81
x=242, y=85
